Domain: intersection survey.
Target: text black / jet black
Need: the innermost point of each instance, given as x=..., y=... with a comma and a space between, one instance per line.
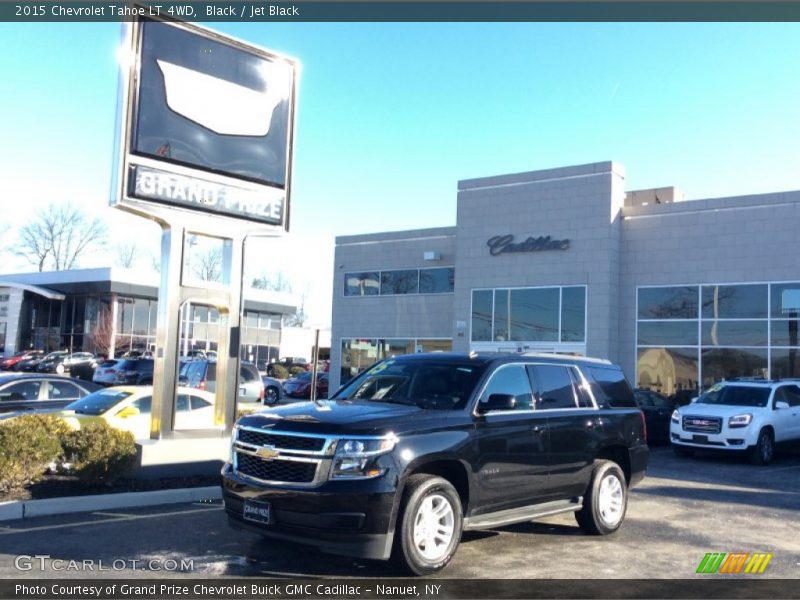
x=422, y=447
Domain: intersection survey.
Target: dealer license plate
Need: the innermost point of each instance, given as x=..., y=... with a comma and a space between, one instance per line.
x=258, y=512
x=700, y=439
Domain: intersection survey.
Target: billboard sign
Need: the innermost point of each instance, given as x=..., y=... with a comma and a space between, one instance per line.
x=206, y=124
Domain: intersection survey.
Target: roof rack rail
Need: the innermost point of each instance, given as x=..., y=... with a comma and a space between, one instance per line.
x=603, y=361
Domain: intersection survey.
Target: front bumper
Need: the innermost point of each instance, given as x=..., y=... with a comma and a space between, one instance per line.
x=353, y=518
x=727, y=439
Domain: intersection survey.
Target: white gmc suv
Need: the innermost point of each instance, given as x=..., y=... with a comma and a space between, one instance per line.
x=739, y=415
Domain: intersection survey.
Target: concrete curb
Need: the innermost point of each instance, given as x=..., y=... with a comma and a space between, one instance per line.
x=23, y=509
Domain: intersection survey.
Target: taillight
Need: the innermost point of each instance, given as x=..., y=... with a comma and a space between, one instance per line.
x=644, y=425
x=261, y=395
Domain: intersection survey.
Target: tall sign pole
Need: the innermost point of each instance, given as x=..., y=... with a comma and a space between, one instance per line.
x=205, y=142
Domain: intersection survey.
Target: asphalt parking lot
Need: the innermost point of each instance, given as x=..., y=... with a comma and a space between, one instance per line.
x=684, y=509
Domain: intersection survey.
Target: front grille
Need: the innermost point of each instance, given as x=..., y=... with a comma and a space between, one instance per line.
x=702, y=424
x=287, y=471
x=281, y=442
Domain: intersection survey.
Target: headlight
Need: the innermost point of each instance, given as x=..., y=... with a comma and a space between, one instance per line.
x=676, y=416
x=355, y=458
x=740, y=420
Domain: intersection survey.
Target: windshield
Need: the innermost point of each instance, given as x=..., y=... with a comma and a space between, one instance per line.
x=735, y=395
x=98, y=402
x=438, y=386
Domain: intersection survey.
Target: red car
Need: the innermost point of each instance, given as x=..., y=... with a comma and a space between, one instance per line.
x=9, y=362
x=300, y=386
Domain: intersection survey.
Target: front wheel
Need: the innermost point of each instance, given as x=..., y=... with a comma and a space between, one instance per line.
x=606, y=500
x=429, y=525
x=764, y=450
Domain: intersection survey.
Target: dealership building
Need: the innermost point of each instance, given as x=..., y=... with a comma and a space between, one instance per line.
x=111, y=311
x=680, y=293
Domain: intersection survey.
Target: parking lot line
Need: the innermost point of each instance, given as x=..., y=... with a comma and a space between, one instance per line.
x=12, y=531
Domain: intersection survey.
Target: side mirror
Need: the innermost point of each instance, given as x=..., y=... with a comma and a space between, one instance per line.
x=497, y=402
x=781, y=404
x=128, y=411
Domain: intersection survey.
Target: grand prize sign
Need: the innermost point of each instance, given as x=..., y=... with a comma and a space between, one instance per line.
x=205, y=139
x=207, y=124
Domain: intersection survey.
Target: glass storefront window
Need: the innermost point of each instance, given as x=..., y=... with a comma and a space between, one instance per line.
x=437, y=281
x=399, y=282
x=734, y=333
x=785, y=299
x=678, y=302
x=672, y=372
x=500, y=326
x=359, y=354
x=482, y=315
x=667, y=333
x=141, y=315
x=435, y=345
x=727, y=363
x=785, y=363
x=573, y=314
x=734, y=301
x=389, y=348
x=785, y=332
x=362, y=284
x=534, y=314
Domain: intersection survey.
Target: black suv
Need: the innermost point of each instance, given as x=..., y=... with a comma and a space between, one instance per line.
x=134, y=371
x=421, y=447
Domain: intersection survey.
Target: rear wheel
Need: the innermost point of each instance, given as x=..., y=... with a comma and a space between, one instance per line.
x=606, y=500
x=60, y=369
x=271, y=395
x=429, y=525
x=764, y=450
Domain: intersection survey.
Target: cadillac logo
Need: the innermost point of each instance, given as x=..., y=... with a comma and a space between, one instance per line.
x=267, y=452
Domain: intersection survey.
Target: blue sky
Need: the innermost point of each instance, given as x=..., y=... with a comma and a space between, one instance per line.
x=391, y=116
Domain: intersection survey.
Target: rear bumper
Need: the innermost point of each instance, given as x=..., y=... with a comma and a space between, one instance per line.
x=639, y=455
x=352, y=518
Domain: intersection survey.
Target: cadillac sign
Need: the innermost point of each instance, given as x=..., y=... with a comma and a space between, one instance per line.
x=505, y=244
x=207, y=125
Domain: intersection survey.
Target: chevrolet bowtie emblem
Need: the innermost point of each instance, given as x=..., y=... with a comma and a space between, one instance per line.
x=267, y=452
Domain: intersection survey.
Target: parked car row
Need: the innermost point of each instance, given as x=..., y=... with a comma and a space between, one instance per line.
x=60, y=361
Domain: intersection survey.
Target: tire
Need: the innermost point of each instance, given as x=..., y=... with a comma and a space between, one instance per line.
x=764, y=451
x=271, y=395
x=606, y=500
x=427, y=501
x=681, y=451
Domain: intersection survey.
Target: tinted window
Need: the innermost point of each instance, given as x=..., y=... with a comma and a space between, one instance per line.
x=553, y=387
x=668, y=302
x=534, y=314
x=573, y=314
x=513, y=380
x=399, y=282
x=667, y=333
x=144, y=404
x=734, y=333
x=735, y=395
x=734, y=301
x=248, y=373
x=481, y=316
x=436, y=281
x=62, y=390
x=362, y=284
x=197, y=403
x=24, y=390
x=98, y=402
x=609, y=386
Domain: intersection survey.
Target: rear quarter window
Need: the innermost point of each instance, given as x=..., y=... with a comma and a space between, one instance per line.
x=610, y=388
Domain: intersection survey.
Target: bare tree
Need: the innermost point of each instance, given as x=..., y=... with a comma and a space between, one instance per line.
x=126, y=254
x=58, y=236
x=277, y=283
x=207, y=265
x=300, y=317
x=100, y=336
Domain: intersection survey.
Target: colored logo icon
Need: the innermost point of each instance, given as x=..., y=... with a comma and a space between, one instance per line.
x=734, y=563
